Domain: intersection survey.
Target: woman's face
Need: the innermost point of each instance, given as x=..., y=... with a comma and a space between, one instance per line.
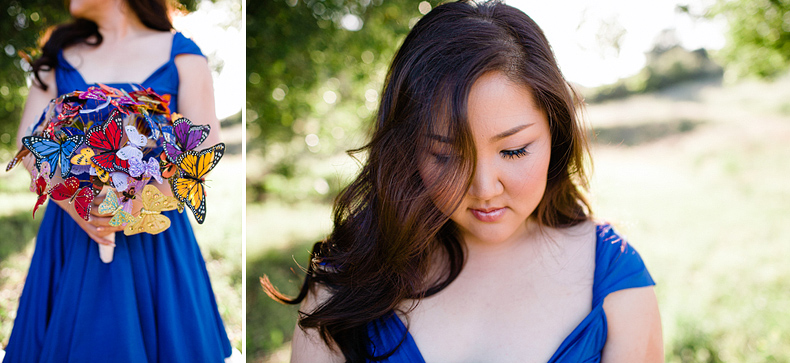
x=513, y=144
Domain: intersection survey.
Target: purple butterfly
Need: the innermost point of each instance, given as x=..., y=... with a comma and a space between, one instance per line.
x=148, y=170
x=187, y=137
x=94, y=93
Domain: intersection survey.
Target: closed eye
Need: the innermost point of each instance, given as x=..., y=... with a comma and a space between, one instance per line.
x=515, y=153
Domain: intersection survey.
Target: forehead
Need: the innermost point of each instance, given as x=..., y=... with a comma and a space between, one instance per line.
x=497, y=104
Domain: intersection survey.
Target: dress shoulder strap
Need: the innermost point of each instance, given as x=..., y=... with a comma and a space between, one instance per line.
x=617, y=265
x=184, y=45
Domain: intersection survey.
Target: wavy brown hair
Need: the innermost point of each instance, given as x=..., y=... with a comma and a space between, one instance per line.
x=388, y=232
x=152, y=13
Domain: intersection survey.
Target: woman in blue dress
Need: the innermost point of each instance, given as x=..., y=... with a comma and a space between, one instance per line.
x=154, y=301
x=466, y=236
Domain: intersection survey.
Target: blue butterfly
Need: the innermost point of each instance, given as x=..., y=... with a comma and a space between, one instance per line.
x=54, y=151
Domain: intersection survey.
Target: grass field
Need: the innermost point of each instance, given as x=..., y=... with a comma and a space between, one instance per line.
x=695, y=177
x=219, y=237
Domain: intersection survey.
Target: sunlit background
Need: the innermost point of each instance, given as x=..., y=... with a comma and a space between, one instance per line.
x=690, y=106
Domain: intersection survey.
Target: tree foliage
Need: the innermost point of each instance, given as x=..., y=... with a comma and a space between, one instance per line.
x=315, y=69
x=22, y=23
x=758, y=41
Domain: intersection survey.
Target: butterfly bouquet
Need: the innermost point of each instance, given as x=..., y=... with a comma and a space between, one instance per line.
x=106, y=138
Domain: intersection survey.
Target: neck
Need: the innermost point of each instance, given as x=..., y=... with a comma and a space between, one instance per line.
x=118, y=22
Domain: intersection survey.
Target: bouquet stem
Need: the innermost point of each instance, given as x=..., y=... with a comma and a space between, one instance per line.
x=106, y=252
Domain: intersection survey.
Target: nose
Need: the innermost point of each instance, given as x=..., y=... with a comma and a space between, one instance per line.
x=486, y=183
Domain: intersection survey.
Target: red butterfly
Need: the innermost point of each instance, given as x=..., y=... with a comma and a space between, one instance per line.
x=105, y=140
x=81, y=198
x=168, y=169
x=41, y=190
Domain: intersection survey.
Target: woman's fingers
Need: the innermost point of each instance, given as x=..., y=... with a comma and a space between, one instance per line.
x=98, y=228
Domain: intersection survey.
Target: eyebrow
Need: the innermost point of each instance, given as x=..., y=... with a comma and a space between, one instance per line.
x=510, y=132
x=497, y=137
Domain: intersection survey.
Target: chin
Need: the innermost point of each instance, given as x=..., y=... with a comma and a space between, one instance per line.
x=493, y=234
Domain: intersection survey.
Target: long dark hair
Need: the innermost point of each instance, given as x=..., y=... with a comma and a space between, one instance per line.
x=388, y=231
x=152, y=13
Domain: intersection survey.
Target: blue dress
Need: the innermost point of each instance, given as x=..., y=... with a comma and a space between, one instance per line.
x=152, y=303
x=617, y=267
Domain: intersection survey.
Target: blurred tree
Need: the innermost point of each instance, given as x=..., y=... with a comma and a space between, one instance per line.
x=314, y=72
x=22, y=24
x=758, y=41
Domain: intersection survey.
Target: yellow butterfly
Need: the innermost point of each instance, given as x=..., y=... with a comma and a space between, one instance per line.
x=188, y=186
x=84, y=158
x=150, y=219
x=112, y=205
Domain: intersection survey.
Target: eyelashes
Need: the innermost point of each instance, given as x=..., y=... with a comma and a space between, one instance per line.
x=517, y=153
x=444, y=158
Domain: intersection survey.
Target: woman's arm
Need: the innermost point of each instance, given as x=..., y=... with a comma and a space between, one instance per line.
x=196, y=94
x=37, y=100
x=98, y=228
x=634, y=332
x=307, y=346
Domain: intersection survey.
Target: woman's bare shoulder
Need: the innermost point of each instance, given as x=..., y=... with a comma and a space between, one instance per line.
x=307, y=345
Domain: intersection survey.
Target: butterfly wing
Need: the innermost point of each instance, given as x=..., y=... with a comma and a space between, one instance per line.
x=106, y=140
x=189, y=136
x=188, y=186
x=135, y=138
x=65, y=190
x=110, y=204
x=83, y=157
x=21, y=154
x=121, y=217
x=41, y=190
x=82, y=202
x=149, y=223
x=43, y=149
x=66, y=149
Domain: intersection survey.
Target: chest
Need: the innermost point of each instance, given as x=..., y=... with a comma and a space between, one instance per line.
x=130, y=61
x=512, y=315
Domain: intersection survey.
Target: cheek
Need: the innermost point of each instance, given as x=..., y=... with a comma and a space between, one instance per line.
x=436, y=183
x=527, y=183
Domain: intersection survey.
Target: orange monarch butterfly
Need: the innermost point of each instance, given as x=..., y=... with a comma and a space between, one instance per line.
x=188, y=187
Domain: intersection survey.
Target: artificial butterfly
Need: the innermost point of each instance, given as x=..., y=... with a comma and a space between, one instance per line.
x=93, y=93
x=188, y=186
x=41, y=190
x=186, y=136
x=84, y=157
x=52, y=151
x=148, y=169
x=21, y=154
x=168, y=169
x=112, y=205
x=150, y=219
x=69, y=111
x=80, y=197
x=39, y=185
x=105, y=140
x=136, y=138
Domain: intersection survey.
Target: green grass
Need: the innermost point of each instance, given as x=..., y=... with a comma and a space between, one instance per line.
x=694, y=177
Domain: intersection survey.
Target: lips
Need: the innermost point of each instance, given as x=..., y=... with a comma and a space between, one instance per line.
x=488, y=214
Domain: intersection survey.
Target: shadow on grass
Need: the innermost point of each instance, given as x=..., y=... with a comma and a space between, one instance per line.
x=17, y=231
x=633, y=135
x=269, y=323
